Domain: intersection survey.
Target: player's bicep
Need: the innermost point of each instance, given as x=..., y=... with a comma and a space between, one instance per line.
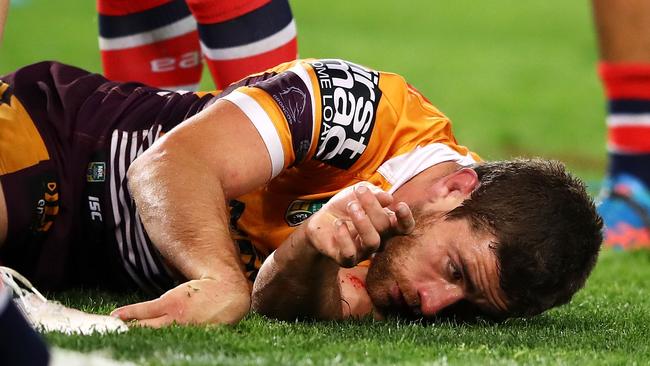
x=221, y=140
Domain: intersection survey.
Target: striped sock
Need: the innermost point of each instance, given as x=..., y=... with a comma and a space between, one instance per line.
x=239, y=38
x=151, y=41
x=627, y=87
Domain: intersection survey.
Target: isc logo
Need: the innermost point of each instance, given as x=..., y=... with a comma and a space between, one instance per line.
x=95, y=209
x=184, y=61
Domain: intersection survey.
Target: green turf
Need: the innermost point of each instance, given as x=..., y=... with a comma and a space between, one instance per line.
x=517, y=78
x=607, y=323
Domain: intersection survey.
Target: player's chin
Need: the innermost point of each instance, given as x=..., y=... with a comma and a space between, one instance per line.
x=383, y=301
x=462, y=311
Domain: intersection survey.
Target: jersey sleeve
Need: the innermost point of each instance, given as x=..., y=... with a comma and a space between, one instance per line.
x=280, y=106
x=323, y=113
x=339, y=118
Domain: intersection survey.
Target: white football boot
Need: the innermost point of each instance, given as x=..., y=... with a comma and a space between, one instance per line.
x=50, y=316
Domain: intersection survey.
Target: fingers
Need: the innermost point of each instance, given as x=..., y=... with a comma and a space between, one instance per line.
x=404, y=221
x=158, y=322
x=353, y=226
x=384, y=198
x=368, y=238
x=365, y=189
x=143, y=310
x=373, y=208
x=347, y=255
x=369, y=220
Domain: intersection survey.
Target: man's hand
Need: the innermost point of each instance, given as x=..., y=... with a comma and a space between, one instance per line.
x=301, y=278
x=194, y=302
x=350, y=227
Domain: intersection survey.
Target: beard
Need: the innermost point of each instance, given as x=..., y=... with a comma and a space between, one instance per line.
x=389, y=267
x=384, y=275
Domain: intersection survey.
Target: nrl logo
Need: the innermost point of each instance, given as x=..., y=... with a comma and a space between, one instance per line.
x=96, y=172
x=300, y=210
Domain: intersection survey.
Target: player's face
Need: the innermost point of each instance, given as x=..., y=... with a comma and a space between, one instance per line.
x=440, y=264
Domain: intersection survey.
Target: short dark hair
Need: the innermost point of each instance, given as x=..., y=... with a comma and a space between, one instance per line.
x=547, y=229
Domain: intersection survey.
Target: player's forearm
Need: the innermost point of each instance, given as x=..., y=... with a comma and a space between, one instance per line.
x=183, y=209
x=298, y=282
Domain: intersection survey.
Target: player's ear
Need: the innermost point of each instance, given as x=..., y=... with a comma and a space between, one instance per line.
x=462, y=182
x=451, y=190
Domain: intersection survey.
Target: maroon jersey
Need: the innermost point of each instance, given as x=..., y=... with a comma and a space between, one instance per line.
x=69, y=137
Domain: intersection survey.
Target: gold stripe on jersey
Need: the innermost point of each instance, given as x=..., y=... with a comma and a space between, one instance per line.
x=201, y=94
x=21, y=145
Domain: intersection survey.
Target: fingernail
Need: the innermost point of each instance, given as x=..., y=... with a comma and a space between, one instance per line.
x=338, y=223
x=362, y=189
x=403, y=209
x=354, y=206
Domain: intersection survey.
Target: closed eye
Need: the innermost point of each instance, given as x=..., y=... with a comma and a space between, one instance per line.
x=454, y=271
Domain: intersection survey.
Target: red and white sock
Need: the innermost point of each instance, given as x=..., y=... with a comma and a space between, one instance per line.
x=627, y=87
x=150, y=41
x=240, y=37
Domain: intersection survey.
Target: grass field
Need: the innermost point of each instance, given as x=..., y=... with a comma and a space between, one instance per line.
x=607, y=323
x=517, y=78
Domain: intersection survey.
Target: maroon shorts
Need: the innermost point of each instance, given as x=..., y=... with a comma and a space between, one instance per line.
x=67, y=137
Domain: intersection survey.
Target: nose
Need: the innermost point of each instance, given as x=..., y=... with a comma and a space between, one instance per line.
x=436, y=297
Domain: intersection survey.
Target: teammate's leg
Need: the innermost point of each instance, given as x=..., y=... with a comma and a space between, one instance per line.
x=623, y=28
x=150, y=41
x=242, y=37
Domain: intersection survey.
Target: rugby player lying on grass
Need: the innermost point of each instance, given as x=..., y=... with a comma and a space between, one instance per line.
x=499, y=239
x=125, y=186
